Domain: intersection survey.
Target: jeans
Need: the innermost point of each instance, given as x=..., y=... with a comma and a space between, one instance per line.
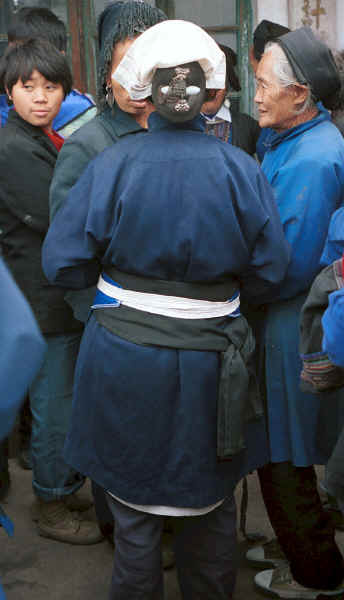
x=205, y=549
x=51, y=395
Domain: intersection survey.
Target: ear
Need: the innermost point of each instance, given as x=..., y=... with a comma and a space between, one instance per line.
x=300, y=94
x=8, y=94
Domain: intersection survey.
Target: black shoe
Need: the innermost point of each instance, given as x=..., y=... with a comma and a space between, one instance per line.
x=5, y=482
x=24, y=459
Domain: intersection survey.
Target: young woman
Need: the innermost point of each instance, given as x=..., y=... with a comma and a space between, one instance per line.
x=36, y=78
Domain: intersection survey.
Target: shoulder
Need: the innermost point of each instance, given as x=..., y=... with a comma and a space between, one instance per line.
x=318, y=150
x=96, y=133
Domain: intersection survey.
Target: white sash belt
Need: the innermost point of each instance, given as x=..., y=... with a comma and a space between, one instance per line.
x=168, y=306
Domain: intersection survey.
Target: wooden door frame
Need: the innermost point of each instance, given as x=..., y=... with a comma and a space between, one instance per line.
x=82, y=44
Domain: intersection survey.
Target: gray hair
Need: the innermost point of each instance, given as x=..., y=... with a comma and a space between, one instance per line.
x=285, y=74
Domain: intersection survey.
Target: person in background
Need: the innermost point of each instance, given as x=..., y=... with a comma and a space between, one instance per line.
x=304, y=163
x=22, y=353
x=155, y=223
x=41, y=23
x=234, y=127
x=118, y=26
x=76, y=109
x=337, y=108
x=265, y=32
x=36, y=77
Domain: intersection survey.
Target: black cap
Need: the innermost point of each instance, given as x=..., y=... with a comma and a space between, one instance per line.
x=312, y=62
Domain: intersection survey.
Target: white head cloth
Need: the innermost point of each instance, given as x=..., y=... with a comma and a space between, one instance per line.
x=169, y=44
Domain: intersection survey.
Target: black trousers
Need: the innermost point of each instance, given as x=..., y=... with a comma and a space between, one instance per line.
x=302, y=527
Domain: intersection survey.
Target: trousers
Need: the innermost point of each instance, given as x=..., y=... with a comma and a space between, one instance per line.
x=302, y=527
x=205, y=550
x=51, y=395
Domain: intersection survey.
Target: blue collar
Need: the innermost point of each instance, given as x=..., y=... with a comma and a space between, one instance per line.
x=156, y=121
x=276, y=138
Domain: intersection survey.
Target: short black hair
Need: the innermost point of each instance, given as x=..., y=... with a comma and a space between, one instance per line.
x=20, y=60
x=232, y=80
x=41, y=23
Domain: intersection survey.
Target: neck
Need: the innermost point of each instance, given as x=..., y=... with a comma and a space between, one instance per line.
x=142, y=117
x=307, y=115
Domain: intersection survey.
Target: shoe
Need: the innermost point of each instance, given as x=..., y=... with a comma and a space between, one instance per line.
x=57, y=522
x=24, y=459
x=5, y=482
x=75, y=503
x=279, y=582
x=269, y=554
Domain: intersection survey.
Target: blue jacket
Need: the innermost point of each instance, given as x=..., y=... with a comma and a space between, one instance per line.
x=305, y=166
x=22, y=349
x=171, y=204
x=333, y=326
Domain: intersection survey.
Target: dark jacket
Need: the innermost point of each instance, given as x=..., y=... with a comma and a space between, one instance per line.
x=84, y=145
x=245, y=132
x=27, y=160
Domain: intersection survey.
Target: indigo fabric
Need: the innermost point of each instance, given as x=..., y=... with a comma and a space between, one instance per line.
x=177, y=205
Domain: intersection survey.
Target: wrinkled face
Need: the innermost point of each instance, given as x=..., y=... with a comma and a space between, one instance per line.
x=178, y=92
x=276, y=104
x=120, y=94
x=37, y=100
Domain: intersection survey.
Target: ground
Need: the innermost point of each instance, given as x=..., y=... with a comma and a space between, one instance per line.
x=35, y=568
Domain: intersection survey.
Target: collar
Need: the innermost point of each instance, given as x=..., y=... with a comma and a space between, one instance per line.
x=122, y=122
x=224, y=114
x=33, y=130
x=156, y=121
x=274, y=139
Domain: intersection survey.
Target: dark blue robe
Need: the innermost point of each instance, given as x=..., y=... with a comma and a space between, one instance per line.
x=170, y=204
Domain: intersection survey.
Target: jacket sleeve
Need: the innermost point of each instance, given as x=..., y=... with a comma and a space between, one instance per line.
x=22, y=349
x=78, y=235
x=270, y=251
x=26, y=171
x=307, y=194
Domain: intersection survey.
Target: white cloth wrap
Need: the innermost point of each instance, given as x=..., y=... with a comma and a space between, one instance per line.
x=169, y=44
x=168, y=306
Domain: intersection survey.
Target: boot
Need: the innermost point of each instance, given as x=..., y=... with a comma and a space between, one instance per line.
x=75, y=503
x=57, y=522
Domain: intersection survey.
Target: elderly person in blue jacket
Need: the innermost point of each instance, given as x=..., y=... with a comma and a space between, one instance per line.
x=22, y=352
x=174, y=224
x=304, y=163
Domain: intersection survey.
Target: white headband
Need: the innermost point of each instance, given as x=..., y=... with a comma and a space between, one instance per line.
x=169, y=44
